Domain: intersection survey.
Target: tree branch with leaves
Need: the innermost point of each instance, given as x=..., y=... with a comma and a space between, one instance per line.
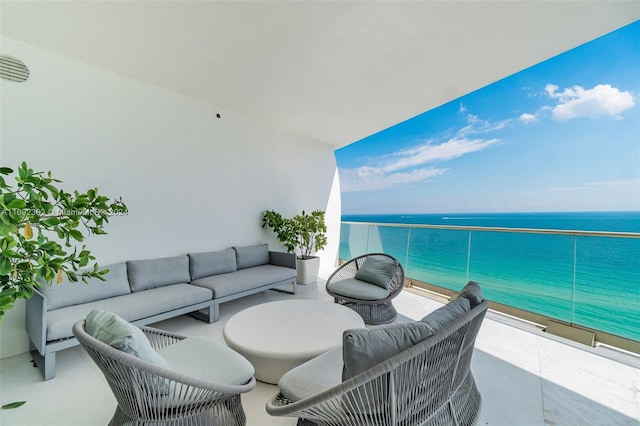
x=40, y=226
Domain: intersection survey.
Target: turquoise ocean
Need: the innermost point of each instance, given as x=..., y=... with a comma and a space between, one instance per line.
x=592, y=281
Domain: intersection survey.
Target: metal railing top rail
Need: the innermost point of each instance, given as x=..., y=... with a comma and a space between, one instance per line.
x=501, y=229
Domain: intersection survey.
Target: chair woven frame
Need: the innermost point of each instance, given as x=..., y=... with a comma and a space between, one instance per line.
x=152, y=395
x=373, y=312
x=428, y=384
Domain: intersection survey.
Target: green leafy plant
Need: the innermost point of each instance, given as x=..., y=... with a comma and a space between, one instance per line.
x=303, y=234
x=40, y=226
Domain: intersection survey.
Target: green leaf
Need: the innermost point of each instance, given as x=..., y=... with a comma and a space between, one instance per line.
x=76, y=235
x=5, y=171
x=16, y=204
x=13, y=405
x=5, y=266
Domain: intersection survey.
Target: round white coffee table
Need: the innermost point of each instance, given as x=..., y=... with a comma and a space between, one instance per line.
x=278, y=336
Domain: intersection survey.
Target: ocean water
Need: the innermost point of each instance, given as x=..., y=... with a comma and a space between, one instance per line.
x=592, y=281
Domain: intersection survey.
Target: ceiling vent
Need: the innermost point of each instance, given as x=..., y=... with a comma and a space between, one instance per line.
x=13, y=69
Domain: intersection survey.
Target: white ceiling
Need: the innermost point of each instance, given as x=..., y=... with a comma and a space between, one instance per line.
x=335, y=71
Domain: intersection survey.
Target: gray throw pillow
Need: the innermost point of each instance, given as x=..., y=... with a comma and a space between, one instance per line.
x=472, y=292
x=447, y=314
x=109, y=328
x=377, y=271
x=364, y=348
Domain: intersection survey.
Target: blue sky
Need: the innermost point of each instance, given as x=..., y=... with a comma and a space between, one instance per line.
x=563, y=135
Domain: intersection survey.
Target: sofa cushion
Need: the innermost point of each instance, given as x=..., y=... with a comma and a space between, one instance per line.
x=356, y=289
x=211, y=263
x=377, y=271
x=245, y=279
x=151, y=273
x=472, y=292
x=446, y=314
x=314, y=376
x=249, y=256
x=131, y=307
x=364, y=348
x=109, y=328
x=207, y=360
x=68, y=293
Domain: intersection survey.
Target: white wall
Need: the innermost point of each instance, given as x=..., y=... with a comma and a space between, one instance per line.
x=192, y=182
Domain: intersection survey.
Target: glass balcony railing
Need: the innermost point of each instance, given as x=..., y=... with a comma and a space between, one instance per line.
x=590, y=279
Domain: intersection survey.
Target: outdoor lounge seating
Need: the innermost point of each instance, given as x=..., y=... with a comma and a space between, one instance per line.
x=367, y=284
x=168, y=379
x=150, y=290
x=415, y=373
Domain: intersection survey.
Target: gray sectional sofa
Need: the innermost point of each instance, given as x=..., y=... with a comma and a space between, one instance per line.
x=151, y=290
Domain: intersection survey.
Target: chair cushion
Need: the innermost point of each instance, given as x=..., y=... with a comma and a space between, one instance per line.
x=68, y=293
x=356, y=289
x=208, y=360
x=151, y=273
x=118, y=333
x=377, y=271
x=249, y=256
x=472, y=292
x=211, y=263
x=364, y=348
x=314, y=376
x=446, y=314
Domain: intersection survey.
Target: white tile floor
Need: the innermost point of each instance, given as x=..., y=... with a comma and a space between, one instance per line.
x=525, y=376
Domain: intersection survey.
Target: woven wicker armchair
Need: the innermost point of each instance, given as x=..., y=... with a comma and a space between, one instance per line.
x=428, y=384
x=184, y=400
x=372, y=311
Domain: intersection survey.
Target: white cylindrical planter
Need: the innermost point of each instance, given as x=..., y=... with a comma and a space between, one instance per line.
x=308, y=270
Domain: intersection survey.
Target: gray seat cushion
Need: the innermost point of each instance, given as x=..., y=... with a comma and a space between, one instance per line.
x=152, y=273
x=130, y=307
x=68, y=293
x=314, y=376
x=364, y=348
x=211, y=263
x=245, y=279
x=250, y=256
x=446, y=314
x=208, y=360
x=377, y=271
x=356, y=289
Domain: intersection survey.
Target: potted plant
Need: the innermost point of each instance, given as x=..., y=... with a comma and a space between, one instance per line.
x=40, y=225
x=303, y=235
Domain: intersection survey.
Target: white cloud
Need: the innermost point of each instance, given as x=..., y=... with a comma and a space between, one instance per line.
x=602, y=100
x=528, y=118
x=408, y=166
x=370, y=178
x=429, y=152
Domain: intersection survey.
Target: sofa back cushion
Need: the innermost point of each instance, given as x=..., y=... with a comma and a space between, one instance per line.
x=250, y=256
x=364, y=348
x=209, y=263
x=68, y=293
x=447, y=314
x=151, y=273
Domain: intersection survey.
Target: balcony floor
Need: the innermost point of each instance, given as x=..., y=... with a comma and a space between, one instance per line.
x=525, y=376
